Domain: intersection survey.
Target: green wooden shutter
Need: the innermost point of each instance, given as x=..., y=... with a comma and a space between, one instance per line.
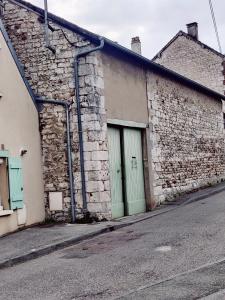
x=115, y=160
x=15, y=182
x=134, y=173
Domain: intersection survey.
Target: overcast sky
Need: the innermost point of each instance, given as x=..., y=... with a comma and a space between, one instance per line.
x=155, y=21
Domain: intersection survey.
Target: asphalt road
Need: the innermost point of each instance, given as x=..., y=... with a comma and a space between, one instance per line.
x=177, y=255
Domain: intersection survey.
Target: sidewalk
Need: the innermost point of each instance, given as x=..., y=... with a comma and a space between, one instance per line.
x=41, y=240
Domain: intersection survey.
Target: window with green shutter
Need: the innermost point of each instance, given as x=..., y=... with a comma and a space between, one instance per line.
x=11, y=182
x=15, y=182
x=4, y=182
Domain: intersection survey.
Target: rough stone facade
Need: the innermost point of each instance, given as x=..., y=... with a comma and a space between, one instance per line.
x=186, y=127
x=223, y=64
x=187, y=138
x=191, y=59
x=52, y=76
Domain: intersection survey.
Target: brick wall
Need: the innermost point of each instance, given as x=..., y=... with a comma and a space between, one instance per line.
x=52, y=76
x=190, y=59
x=187, y=138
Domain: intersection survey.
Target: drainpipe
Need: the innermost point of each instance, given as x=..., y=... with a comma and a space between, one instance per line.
x=66, y=105
x=80, y=131
x=1, y=8
x=47, y=42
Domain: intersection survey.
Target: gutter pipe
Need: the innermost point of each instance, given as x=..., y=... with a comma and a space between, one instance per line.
x=66, y=105
x=47, y=42
x=80, y=130
x=1, y=8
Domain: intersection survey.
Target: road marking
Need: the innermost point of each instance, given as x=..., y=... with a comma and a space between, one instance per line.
x=163, y=249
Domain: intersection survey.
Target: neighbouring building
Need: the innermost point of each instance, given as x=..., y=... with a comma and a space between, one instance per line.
x=149, y=134
x=187, y=55
x=21, y=179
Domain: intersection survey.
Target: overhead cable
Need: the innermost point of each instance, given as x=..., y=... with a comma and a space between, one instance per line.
x=215, y=25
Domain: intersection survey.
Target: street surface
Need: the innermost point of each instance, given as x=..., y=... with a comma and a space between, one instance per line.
x=176, y=255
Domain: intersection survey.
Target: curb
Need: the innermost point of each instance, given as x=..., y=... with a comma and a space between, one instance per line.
x=112, y=227
x=70, y=242
x=49, y=249
x=204, y=196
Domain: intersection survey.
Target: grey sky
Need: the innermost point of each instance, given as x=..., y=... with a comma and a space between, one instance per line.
x=155, y=21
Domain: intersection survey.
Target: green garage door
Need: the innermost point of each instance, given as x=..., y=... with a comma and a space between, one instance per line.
x=134, y=174
x=116, y=172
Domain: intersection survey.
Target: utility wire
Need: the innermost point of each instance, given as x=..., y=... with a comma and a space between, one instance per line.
x=215, y=25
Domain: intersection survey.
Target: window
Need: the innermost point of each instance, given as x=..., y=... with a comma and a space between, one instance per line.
x=4, y=185
x=11, y=182
x=224, y=120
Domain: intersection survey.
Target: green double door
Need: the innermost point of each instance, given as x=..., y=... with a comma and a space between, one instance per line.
x=126, y=171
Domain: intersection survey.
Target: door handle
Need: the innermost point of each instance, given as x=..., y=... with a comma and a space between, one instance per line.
x=134, y=162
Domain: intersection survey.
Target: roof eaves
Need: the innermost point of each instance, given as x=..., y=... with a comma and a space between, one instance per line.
x=139, y=58
x=17, y=62
x=203, y=45
x=167, y=45
x=58, y=20
x=167, y=72
x=188, y=36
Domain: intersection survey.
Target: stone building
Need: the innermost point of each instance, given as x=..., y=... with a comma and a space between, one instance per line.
x=141, y=133
x=21, y=179
x=188, y=56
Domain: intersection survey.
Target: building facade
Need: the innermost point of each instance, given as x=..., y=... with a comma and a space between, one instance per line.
x=21, y=179
x=187, y=55
x=149, y=134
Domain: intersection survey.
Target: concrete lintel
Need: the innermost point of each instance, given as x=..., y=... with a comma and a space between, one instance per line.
x=126, y=123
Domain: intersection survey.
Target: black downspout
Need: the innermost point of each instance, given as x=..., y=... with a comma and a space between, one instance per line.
x=47, y=41
x=1, y=8
x=80, y=130
x=66, y=105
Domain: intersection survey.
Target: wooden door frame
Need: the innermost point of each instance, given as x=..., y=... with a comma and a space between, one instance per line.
x=147, y=159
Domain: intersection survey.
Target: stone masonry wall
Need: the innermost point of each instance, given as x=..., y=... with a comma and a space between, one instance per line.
x=223, y=64
x=186, y=127
x=190, y=59
x=52, y=76
x=187, y=138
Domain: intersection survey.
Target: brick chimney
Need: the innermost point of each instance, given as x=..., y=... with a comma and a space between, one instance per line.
x=192, y=30
x=136, y=45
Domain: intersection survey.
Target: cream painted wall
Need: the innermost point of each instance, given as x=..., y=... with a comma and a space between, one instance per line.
x=125, y=90
x=19, y=128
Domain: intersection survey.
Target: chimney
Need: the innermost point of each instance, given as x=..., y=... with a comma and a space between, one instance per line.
x=192, y=30
x=136, y=45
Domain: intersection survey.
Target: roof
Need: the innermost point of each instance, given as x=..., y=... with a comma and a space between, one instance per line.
x=188, y=36
x=115, y=47
x=17, y=62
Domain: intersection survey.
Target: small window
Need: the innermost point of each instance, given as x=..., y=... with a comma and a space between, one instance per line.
x=15, y=182
x=11, y=182
x=4, y=185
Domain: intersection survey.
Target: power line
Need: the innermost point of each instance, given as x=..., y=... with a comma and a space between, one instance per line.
x=215, y=25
